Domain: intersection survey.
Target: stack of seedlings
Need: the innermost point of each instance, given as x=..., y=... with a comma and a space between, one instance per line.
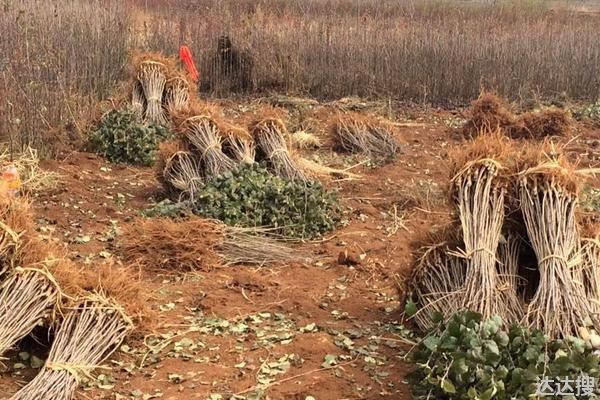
x=545, y=187
x=28, y=292
x=356, y=133
x=549, y=193
x=96, y=320
x=39, y=289
x=489, y=113
x=200, y=244
x=158, y=89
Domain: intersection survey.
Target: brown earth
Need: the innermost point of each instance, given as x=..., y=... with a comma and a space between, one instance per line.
x=326, y=330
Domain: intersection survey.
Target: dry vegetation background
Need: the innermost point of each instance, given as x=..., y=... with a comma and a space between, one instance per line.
x=59, y=57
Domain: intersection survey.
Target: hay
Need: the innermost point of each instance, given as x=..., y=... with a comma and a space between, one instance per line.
x=90, y=333
x=488, y=114
x=436, y=284
x=199, y=244
x=27, y=162
x=548, y=201
x=152, y=77
x=203, y=135
x=303, y=140
x=356, y=133
x=270, y=137
x=317, y=170
x=177, y=95
x=538, y=125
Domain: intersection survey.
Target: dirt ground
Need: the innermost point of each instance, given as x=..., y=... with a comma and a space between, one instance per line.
x=322, y=331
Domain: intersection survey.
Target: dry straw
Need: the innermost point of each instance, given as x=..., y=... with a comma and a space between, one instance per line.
x=270, y=135
x=357, y=133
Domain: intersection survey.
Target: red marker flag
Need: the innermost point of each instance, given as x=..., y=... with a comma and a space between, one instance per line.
x=185, y=54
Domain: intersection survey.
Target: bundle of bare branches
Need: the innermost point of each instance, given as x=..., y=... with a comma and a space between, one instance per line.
x=437, y=284
x=177, y=95
x=138, y=101
x=548, y=194
x=90, y=333
x=152, y=77
x=270, y=137
x=237, y=143
x=508, y=275
x=179, y=170
x=204, y=138
x=368, y=135
x=27, y=299
x=590, y=250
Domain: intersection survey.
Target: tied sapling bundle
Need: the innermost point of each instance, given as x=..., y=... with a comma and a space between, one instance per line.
x=508, y=275
x=27, y=298
x=479, y=198
x=177, y=95
x=182, y=172
x=89, y=334
x=237, y=143
x=548, y=195
x=270, y=137
x=152, y=77
x=138, y=101
x=204, y=136
x=590, y=250
x=436, y=285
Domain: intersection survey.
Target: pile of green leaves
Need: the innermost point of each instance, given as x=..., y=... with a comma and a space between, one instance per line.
x=250, y=196
x=468, y=358
x=122, y=137
x=590, y=112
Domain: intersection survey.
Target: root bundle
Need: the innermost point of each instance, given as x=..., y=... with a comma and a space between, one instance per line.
x=488, y=114
x=508, y=276
x=355, y=133
x=270, y=137
x=87, y=336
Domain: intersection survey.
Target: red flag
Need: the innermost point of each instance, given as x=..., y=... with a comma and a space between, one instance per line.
x=185, y=54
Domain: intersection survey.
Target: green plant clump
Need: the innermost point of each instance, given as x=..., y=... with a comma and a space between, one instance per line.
x=590, y=112
x=250, y=196
x=122, y=137
x=467, y=358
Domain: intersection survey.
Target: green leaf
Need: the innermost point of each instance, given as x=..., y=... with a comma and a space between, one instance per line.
x=447, y=386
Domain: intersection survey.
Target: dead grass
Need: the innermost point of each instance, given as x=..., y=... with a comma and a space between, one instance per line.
x=489, y=113
x=552, y=122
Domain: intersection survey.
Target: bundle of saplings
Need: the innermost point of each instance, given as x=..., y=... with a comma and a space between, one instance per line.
x=472, y=358
x=121, y=136
x=250, y=196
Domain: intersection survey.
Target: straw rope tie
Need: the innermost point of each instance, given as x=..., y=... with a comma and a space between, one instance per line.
x=154, y=98
x=277, y=151
x=469, y=255
x=214, y=146
x=78, y=371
